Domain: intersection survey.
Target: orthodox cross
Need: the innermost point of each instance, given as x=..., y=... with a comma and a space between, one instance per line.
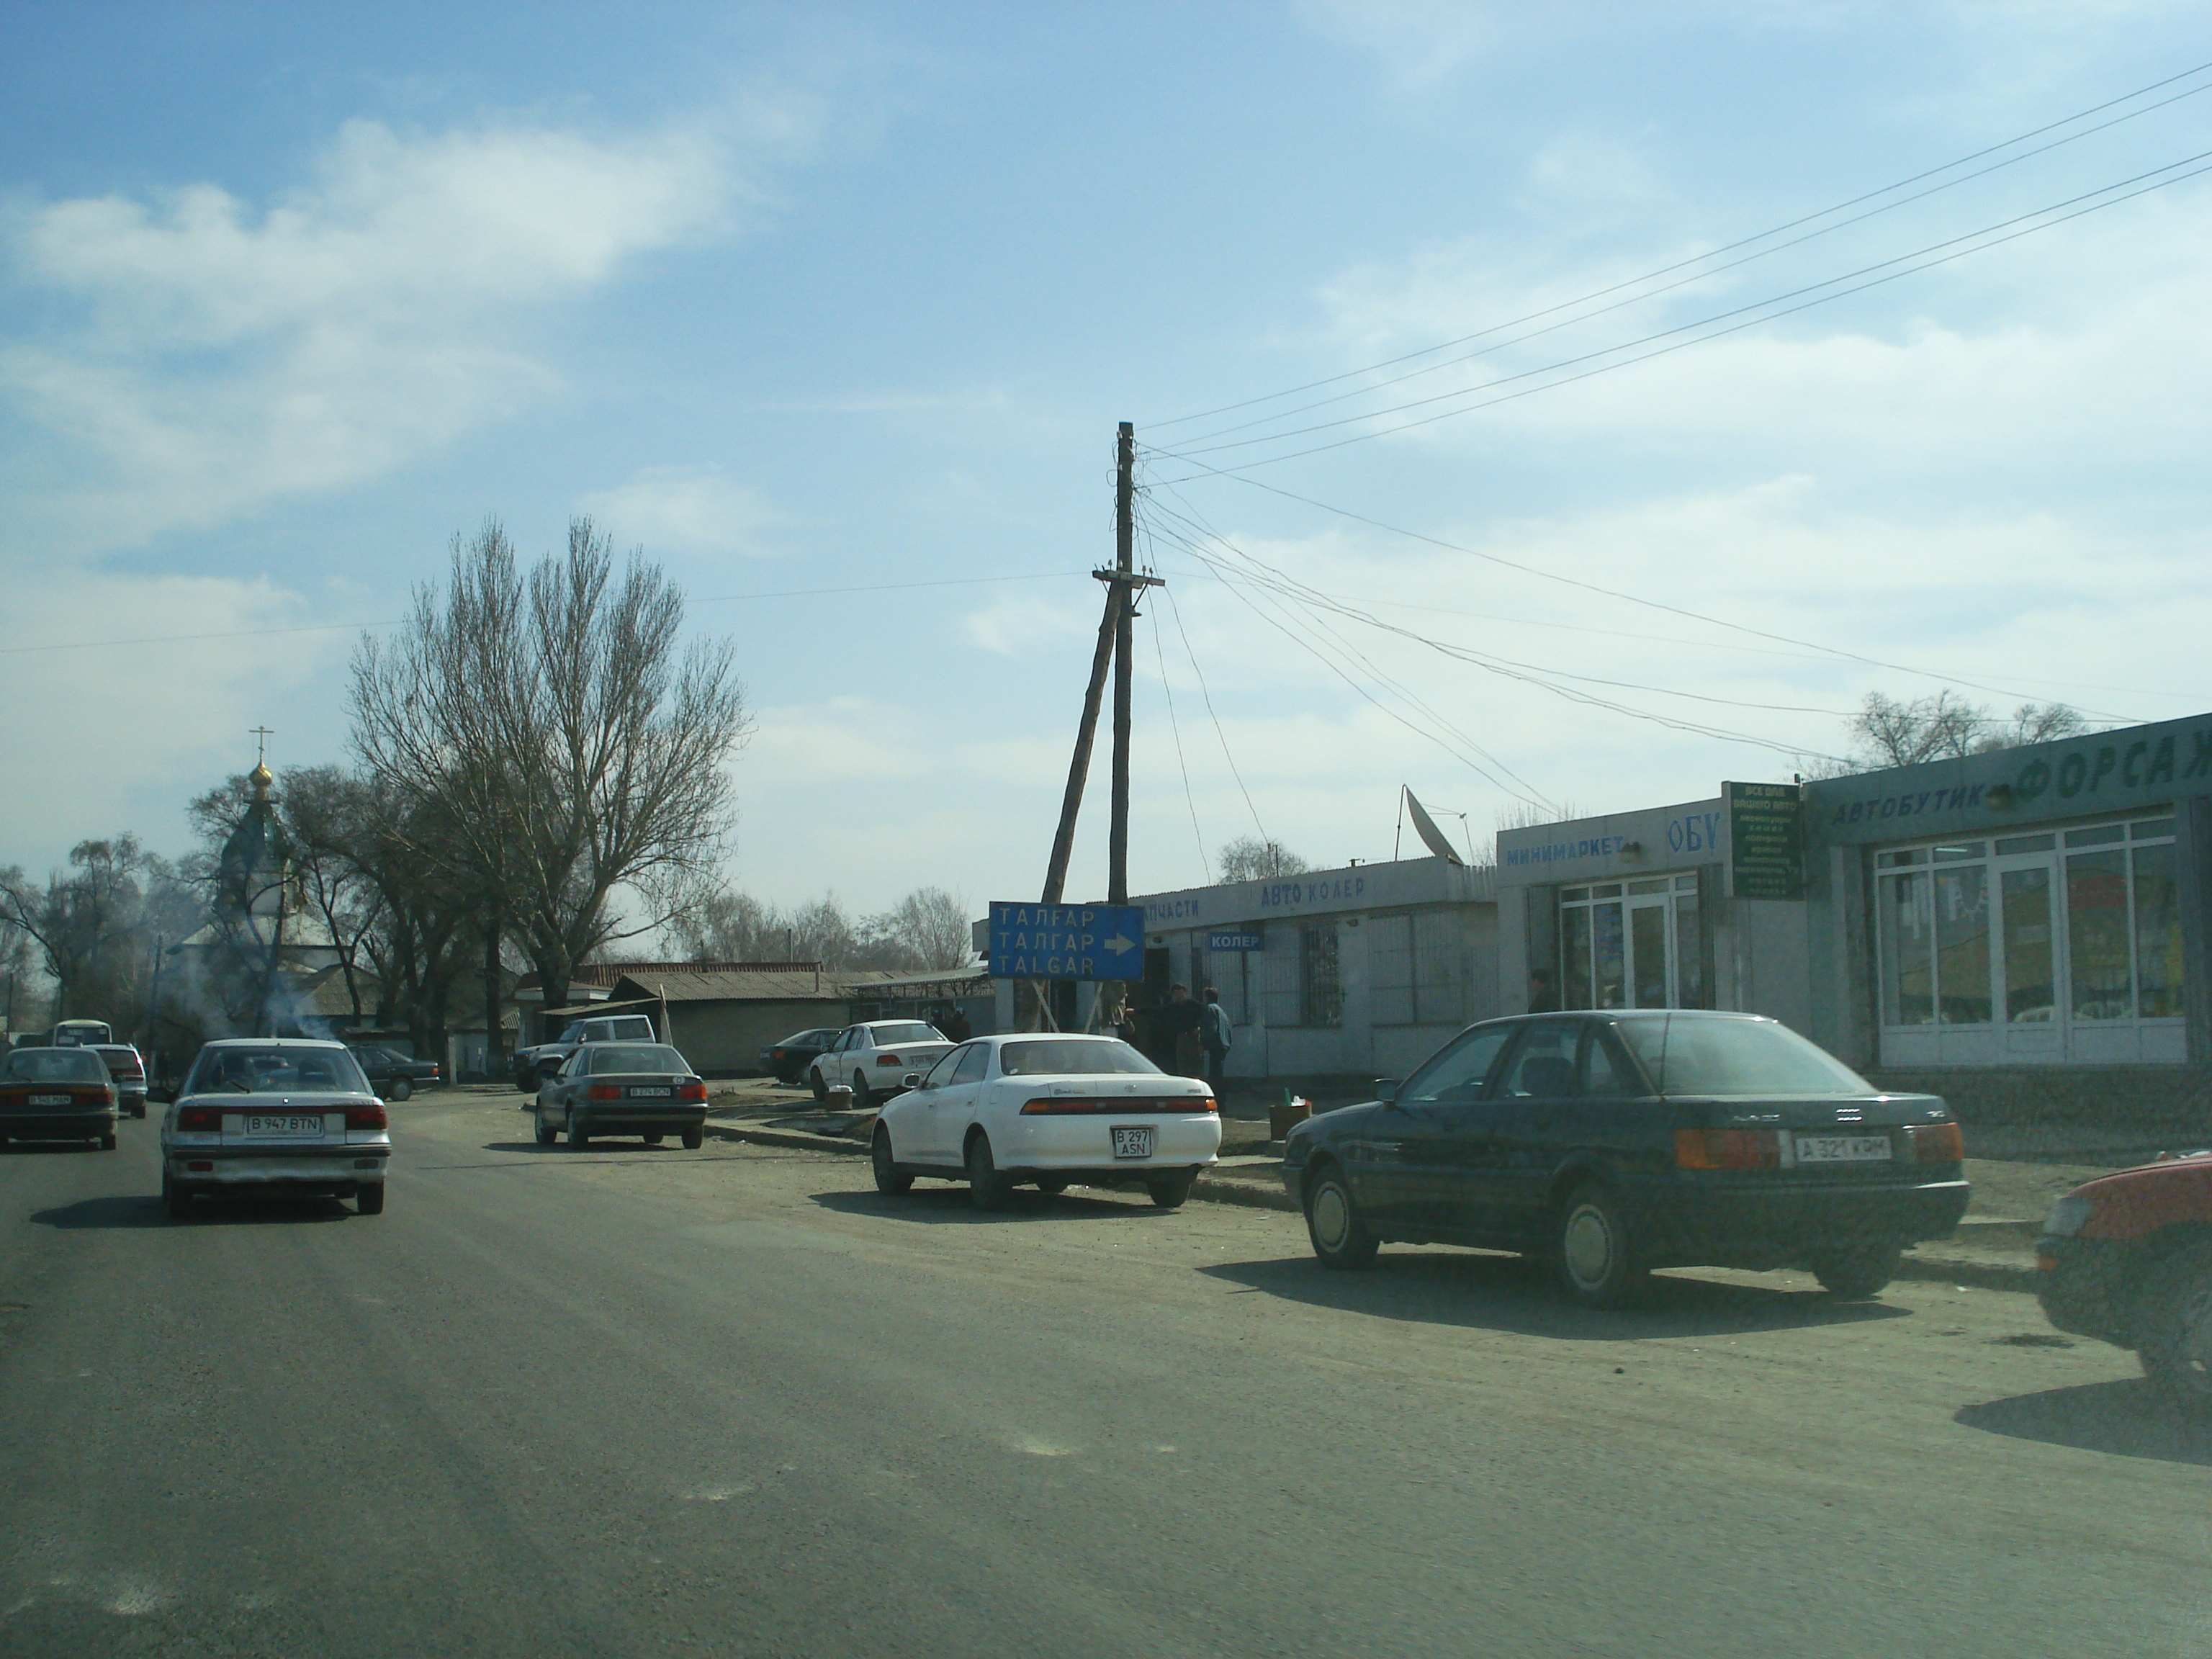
x=261, y=734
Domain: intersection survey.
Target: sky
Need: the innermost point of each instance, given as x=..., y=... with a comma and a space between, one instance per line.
x=833, y=309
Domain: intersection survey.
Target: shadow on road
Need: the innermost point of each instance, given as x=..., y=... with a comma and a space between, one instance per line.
x=1507, y=1293
x=35, y=1148
x=2126, y=1417
x=147, y=1210
x=951, y=1206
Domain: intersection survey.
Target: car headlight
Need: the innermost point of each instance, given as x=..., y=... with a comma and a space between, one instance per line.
x=2068, y=1216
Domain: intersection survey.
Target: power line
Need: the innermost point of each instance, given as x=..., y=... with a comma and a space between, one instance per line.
x=1652, y=294
x=1189, y=457
x=1731, y=247
x=1175, y=611
x=394, y=622
x=1175, y=728
x=1617, y=593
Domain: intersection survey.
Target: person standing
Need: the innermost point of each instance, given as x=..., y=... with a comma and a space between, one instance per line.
x=1213, y=1030
x=1184, y=1020
x=1543, y=995
x=954, y=1025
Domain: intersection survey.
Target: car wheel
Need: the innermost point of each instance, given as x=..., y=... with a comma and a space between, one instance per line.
x=1858, y=1273
x=402, y=1089
x=986, y=1187
x=693, y=1140
x=864, y=1097
x=1170, y=1191
x=1341, y=1238
x=546, y=1135
x=821, y=1089
x=107, y=1142
x=369, y=1199
x=889, y=1182
x=1051, y=1186
x=653, y=1141
x=2173, y=1327
x=578, y=1135
x=1595, y=1252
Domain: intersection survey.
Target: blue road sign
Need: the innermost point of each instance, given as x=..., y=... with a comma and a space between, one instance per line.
x=1234, y=939
x=1068, y=941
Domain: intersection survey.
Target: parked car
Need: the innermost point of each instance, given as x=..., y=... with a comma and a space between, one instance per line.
x=644, y=1089
x=786, y=1061
x=1048, y=1109
x=533, y=1066
x=873, y=1059
x=126, y=1069
x=1613, y=1143
x=2127, y=1258
x=392, y=1074
x=57, y=1094
x=290, y=1114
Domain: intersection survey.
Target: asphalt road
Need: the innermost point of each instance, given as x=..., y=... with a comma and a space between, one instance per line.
x=633, y=1402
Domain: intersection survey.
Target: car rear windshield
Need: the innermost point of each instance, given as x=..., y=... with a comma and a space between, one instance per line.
x=634, y=1057
x=272, y=1070
x=53, y=1065
x=912, y=1031
x=1687, y=1055
x=1064, y=1058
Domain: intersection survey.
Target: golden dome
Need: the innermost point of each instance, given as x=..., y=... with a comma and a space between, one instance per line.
x=261, y=777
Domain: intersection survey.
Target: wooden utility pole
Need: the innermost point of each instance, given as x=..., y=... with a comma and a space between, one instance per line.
x=1117, y=829
x=1078, y=768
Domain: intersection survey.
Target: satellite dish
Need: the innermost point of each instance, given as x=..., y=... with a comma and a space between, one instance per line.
x=1426, y=828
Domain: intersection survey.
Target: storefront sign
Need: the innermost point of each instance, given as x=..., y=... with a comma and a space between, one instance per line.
x=1766, y=840
x=1232, y=939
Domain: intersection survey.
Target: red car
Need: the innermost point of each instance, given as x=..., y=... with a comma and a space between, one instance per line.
x=2127, y=1258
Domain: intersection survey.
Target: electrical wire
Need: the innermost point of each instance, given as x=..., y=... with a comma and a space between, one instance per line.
x=1175, y=611
x=1618, y=593
x=1731, y=247
x=1175, y=727
x=1189, y=457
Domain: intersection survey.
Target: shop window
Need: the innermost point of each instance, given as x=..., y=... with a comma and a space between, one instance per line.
x=1633, y=944
x=1321, y=996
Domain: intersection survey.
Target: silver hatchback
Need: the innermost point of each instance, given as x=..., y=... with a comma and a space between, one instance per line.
x=289, y=1115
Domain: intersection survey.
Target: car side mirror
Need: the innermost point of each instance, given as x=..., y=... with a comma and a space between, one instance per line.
x=1386, y=1090
x=911, y=1081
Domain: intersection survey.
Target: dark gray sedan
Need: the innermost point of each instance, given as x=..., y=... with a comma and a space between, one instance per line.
x=644, y=1089
x=57, y=1094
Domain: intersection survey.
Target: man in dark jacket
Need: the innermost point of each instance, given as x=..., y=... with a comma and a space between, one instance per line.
x=1181, y=1020
x=1213, y=1032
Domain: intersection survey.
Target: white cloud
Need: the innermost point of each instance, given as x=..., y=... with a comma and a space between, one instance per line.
x=222, y=355
x=1421, y=43
x=688, y=508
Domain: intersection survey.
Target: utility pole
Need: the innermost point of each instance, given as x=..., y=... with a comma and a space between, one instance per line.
x=1125, y=538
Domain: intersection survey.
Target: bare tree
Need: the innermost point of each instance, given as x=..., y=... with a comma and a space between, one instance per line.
x=930, y=924
x=576, y=747
x=99, y=925
x=1250, y=858
x=1945, y=726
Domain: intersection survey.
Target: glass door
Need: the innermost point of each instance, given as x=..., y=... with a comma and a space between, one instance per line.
x=1650, y=977
x=2027, y=960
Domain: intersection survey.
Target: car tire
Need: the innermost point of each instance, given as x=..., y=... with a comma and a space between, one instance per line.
x=107, y=1142
x=889, y=1182
x=1052, y=1186
x=1861, y=1271
x=546, y=1135
x=402, y=1089
x=693, y=1140
x=578, y=1136
x=2173, y=1327
x=1339, y=1236
x=864, y=1097
x=368, y=1199
x=1170, y=1192
x=654, y=1139
x=821, y=1090
x=986, y=1187
x=1595, y=1251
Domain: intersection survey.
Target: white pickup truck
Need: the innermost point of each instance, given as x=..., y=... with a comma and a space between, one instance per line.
x=871, y=1058
x=533, y=1066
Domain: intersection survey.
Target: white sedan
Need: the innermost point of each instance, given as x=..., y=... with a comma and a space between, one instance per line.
x=874, y=1059
x=1047, y=1108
